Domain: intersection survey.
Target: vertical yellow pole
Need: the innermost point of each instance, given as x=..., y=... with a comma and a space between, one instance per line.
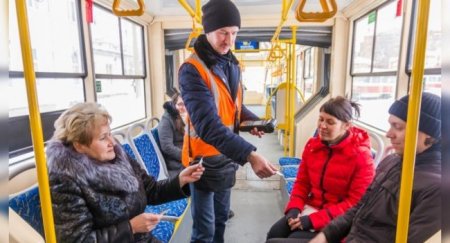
x=35, y=122
x=292, y=91
x=287, y=115
x=412, y=124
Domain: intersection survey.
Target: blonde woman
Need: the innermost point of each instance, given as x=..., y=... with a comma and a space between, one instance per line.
x=99, y=194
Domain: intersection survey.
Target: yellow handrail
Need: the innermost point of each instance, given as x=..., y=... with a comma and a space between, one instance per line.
x=35, y=122
x=128, y=12
x=196, y=18
x=197, y=14
x=194, y=34
x=326, y=13
x=412, y=124
x=292, y=75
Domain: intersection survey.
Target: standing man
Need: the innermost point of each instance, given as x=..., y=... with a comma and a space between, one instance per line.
x=210, y=84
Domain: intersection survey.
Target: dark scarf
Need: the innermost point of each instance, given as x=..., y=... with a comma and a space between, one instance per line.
x=206, y=52
x=221, y=65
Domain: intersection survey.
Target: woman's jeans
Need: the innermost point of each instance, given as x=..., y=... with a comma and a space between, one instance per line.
x=209, y=213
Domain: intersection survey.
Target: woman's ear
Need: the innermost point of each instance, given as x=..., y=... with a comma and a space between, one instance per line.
x=79, y=147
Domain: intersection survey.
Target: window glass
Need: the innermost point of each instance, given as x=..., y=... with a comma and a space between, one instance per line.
x=58, y=50
x=432, y=84
x=363, y=43
x=433, y=52
x=307, y=69
x=375, y=94
x=133, y=53
x=53, y=95
x=299, y=74
x=308, y=89
x=106, y=42
x=388, y=33
x=123, y=98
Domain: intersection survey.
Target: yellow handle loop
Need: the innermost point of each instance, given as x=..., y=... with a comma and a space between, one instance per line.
x=326, y=13
x=131, y=12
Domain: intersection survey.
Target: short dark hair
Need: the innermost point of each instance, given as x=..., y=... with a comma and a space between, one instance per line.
x=341, y=108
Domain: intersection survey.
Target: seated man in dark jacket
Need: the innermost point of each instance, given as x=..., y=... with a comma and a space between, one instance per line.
x=374, y=218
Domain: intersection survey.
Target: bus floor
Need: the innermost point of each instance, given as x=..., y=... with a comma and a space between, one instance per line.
x=255, y=202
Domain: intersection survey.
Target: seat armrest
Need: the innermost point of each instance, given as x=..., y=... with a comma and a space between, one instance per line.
x=21, y=231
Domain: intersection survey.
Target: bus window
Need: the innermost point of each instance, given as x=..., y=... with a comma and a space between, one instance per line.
x=433, y=55
x=118, y=49
x=374, y=64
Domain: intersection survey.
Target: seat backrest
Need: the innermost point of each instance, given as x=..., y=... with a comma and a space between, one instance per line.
x=121, y=137
x=143, y=143
x=153, y=129
x=26, y=203
x=28, y=206
x=378, y=143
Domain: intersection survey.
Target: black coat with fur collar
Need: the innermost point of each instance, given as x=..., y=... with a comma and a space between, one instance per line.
x=94, y=201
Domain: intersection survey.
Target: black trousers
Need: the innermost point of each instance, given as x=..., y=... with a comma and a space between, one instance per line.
x=281, y=230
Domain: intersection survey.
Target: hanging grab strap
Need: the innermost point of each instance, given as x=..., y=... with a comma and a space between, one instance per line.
x=326, y=13
x=132, y=12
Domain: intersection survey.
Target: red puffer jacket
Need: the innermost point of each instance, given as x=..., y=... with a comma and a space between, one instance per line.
x=333, y=178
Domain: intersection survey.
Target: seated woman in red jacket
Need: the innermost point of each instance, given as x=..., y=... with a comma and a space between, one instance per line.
x=335, y=171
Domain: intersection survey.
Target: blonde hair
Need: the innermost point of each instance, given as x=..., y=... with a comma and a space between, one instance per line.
x=77, y=123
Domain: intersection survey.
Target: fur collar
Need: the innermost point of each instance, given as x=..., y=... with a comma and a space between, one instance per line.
x=116, y=175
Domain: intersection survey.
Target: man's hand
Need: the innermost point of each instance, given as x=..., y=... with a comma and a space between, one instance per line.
x=255, y=132
x=261, y=166
x=320, y=238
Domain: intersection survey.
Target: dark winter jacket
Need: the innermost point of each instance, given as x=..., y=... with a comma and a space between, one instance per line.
x=200, y=103
x=94, y=201
x=374, y=218
x=332, y=178
x=171, y=139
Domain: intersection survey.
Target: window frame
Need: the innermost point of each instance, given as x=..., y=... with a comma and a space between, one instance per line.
x=47, y=118
x=372, y=73
x=409, y=52
x=97, y=76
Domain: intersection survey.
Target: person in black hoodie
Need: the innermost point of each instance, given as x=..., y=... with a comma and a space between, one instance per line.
x=171, y=133
x=374, y=218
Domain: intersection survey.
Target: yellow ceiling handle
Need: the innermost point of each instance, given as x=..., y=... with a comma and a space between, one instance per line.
x=132, y=12
x=276, y=52
x=326, y=13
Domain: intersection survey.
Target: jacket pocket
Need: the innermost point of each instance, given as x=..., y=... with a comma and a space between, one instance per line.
x=218, y=175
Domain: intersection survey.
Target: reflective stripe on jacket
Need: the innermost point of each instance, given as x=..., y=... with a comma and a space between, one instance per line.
x=228, y=110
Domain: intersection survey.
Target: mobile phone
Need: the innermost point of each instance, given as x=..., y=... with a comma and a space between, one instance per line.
x=169, y=218
x=267, y=126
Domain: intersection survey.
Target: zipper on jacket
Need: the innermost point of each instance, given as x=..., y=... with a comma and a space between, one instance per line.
x=322, y=177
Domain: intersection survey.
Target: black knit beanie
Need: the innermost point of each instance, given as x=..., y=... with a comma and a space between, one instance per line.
x=218, y=14
x=430, y=113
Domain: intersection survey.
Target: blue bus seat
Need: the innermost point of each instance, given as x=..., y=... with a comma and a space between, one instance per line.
x=153, y=129
x=289, y=171
x=27, y=205
x=145, y=145
x=283, y=161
